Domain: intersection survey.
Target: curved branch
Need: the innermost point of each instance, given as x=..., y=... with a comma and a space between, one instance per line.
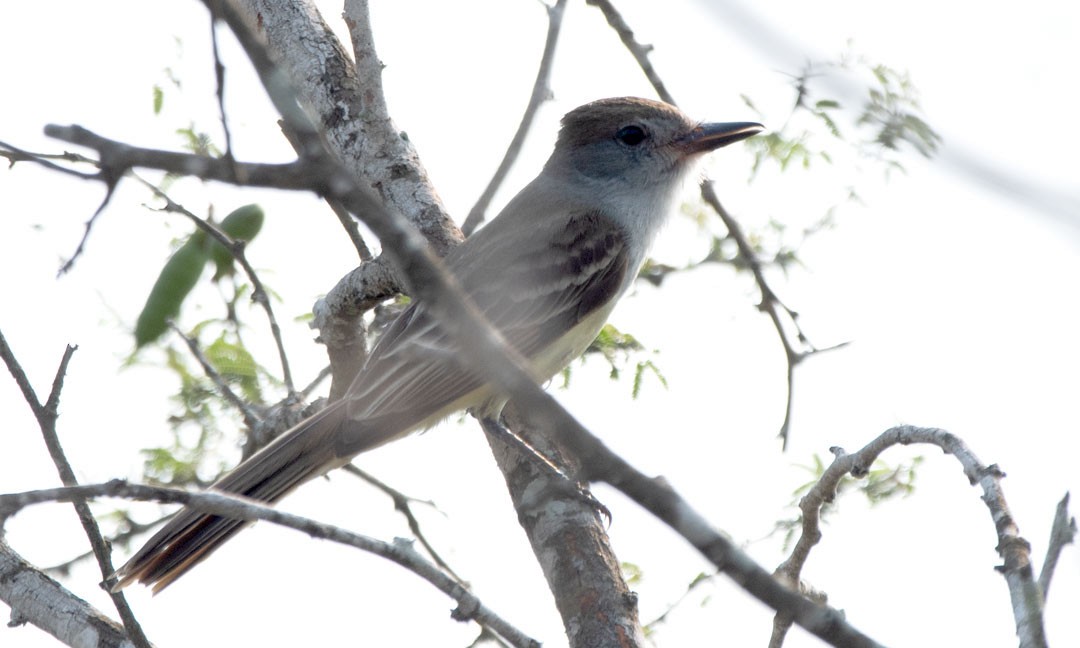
x=1014, y=550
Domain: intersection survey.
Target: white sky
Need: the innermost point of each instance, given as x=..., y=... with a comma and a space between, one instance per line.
x=960, y=300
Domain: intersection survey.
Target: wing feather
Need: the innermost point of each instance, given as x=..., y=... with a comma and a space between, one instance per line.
x=546, y=286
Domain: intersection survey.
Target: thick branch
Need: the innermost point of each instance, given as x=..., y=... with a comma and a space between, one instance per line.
x=350, y=109
x=37, y=599
x=568, y=537
x=352, y=116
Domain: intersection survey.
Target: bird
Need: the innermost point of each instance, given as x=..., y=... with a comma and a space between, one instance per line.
x=546, y=273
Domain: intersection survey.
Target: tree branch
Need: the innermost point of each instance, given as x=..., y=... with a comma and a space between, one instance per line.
x=402, y=505
x=770, y=303
x=39, y=600
x=46, y=416
x=567, y=535
x=400, y=552
x=1027, y=602
x=1062, y=532
x=348, y=101
x=541, y=92
x=639, y=51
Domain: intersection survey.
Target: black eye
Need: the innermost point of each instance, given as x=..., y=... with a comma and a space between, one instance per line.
x=631, y=135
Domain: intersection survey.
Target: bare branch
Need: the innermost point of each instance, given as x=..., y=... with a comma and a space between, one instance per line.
x=15, y=154
x=640, y=52
x=402, y=505
x=400, y=552
x=1062, y=532
x=39, y=600
x=656, y=496
x=770, y=303
x=541, y=92
x=568, y=537
x=1027, y=602
x=46, y=416
x=219, y=79
x=251, y=417
x=131, y=529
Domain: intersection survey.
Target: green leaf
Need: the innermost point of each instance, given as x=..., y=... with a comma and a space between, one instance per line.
x=159, y=99
x=632, y=573
x=243, y=224
x=197, y=142
x=639, y=375
x=236, y=365
x=177, y=278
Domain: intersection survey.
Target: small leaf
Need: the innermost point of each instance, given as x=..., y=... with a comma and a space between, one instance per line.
x=236, y=365
x=633, y=573
x=159, y=99
x=243, y=224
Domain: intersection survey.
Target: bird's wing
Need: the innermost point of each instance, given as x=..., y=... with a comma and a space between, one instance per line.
x=547, y=283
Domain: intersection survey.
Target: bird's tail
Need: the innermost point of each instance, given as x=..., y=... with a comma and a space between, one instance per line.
x=297, y=456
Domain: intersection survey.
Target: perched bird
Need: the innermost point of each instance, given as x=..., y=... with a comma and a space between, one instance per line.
x=546, y=272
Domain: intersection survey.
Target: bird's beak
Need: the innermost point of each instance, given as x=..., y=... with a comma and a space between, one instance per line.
x=709, y=137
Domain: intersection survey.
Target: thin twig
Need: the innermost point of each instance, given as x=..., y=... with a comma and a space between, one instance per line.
x=131, y=530
x=323, y=374
x=219, y=78
x=15, y=154
x=541, y=92
x=221, y=504
x=46, y=417
x=1062, y=532
x=639, y=51
x=111, y=182
x=770, y=303
x=700, y=580
x=352, y=230
x=252, y=418
x=401, y=505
